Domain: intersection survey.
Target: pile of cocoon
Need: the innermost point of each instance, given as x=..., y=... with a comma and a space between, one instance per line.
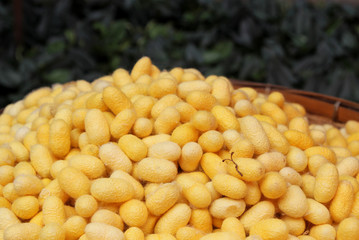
x=165, y=155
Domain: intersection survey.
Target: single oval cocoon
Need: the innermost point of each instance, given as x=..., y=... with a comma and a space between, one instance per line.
x=156, y=170
x=165, y=150
x=294, y=202
x=112, y=190
x=103, y=231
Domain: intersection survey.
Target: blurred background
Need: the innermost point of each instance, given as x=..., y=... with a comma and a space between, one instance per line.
x=306, y=45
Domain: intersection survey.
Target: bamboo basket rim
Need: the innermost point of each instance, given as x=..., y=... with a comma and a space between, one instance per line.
x=321, y=108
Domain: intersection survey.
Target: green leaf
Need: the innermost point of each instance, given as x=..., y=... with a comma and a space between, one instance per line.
x=58, y=76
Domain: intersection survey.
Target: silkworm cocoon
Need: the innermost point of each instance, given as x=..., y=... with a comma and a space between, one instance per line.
x=108, y=217
x=355, y=207
x=273, y=185
x=134, y=213
x=315, y=162
x=252, y=129
x=188, y=233
x=26, y=184
x=7, y=218
x=41, y=159
x=57, y=166
x=185, y=88
x=114, y=158
x=148, y=227
x=212, y=164
x=341, y=152
x=222, y=235
x=291, y=176
x=96, y=127
x=156, y=170
x=214, y=194
x=190, y=156
x=137, y=186
x=6, y=157
x=37, y=219
x=201, y=100
x=297, y=159
x=6, y=174
x=221, y=91
x=277, y=98
x=20, y=134
x=325, y=231
x=201, y=219
x=86, y=205
x=341, y=205
x=211, y=141
x=59, y=138
x=198, y=195
x=142, y=127
x=168, y=120
x=134, y=233
x=162, y=199
x=272, y=161
x=298, y=139
x=318, y=136
x=184, y=133
x=353, y=181
x=73, y=182
x=115, y=99
x=103, y=231
x=112, y=190
x=321, y=150
x=296, y=226
x=22, y=231
x=52, y=231
x=229, y=186
x=251, y=170
x=317, y=213
x=204, y=121
x=165, y=150
x=348, y=166
x=162, y=87
x=308, y=183
x=91, y=166
x=185, y=110
x=326, y=183
x=122, y=123
x=20, y=152
x=232, y=224
x=261, y=210
x=121, y=77
x=226, y=207
x=24, y=168
x=4, y=202
x=9, y=192
x=53, y=210
x=32, y=98
x=272, y=110
x=231, y=136
x=348, y=229
x=294, y=202
x=243, y=108
x=178, y=216
x=25, y=207
x=253, y=193
x=225, y=118
x=270, y=229
x=160, y=236
x=276, y=139
x=52, y=189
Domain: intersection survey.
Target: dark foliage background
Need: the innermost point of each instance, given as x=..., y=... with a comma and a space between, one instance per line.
x=301, y=45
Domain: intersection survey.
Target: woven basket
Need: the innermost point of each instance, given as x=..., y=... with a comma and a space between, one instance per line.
x=320, y=108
